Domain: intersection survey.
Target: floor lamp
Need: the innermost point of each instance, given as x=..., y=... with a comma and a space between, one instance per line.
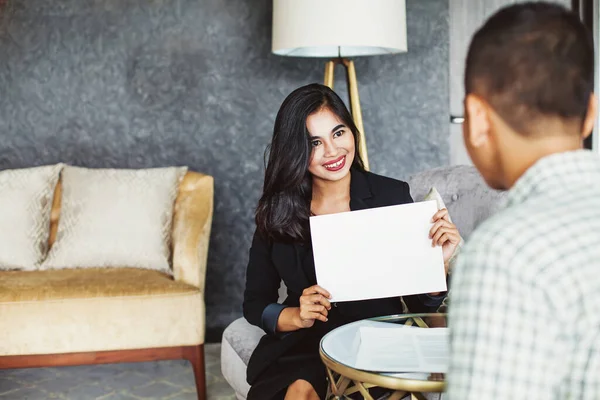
x=339, y=29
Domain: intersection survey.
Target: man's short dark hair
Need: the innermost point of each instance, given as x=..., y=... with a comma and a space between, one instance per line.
x=530, y=61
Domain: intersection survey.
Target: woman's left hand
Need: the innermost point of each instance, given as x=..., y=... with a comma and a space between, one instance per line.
x=444, y=233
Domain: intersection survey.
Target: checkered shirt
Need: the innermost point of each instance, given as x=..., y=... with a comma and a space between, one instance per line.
x=525, y=302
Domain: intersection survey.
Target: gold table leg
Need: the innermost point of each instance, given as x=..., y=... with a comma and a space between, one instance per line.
x=420, y=322
x=397, y=396
x=340, y=388
x=363, y=390
x=355, y=388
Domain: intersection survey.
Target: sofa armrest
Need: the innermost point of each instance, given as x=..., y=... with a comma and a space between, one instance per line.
x=191, y=228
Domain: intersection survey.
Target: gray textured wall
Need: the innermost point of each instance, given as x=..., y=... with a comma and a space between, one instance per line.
x=146, y=83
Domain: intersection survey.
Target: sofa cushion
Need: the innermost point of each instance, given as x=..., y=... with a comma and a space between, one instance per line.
x=82, y=310
x=243, y=337
x=468, y=199
x=87, y=283
x=240, y=339
x=115, y=218
x=25, y=204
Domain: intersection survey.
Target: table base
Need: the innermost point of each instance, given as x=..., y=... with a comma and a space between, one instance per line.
x=341, y=387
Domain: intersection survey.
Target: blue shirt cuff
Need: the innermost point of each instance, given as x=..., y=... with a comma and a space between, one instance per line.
x=270, y=316
x=433, y=302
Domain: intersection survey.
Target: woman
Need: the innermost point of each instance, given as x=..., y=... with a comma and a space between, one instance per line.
x=313, y=168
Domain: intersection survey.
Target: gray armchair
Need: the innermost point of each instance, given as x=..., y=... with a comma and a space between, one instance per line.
x=469, y=201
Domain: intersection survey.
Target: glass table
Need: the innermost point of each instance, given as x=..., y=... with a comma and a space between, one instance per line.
x=338, y=350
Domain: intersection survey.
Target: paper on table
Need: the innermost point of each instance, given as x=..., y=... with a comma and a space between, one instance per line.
x=377, y=253
x=403, y=350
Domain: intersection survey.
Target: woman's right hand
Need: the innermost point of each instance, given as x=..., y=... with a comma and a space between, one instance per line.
x=314, y=305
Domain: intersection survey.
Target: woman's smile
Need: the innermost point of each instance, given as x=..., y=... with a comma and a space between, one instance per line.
x=336, y=164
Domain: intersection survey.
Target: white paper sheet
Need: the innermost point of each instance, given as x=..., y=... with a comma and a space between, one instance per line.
x=377, y=253
x=403, y=350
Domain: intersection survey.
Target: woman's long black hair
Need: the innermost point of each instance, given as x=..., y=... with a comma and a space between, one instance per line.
x=284, y=207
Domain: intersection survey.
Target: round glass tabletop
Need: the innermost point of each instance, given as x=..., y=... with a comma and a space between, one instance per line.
x=341, y=351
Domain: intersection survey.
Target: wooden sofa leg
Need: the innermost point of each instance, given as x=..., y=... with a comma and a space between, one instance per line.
x=195, y=355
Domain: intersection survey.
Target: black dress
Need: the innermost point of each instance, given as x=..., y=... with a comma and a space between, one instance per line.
x=282, y=358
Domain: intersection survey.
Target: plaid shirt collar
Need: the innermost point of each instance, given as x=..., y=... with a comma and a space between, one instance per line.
x=555, y=172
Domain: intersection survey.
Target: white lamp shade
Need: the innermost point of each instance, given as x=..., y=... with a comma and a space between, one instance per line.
x=332, y=28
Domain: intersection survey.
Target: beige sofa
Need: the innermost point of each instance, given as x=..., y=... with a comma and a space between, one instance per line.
x=106, y=315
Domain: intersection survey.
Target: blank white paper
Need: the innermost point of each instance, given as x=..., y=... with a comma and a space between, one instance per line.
x=377, y=253
x=403, y=350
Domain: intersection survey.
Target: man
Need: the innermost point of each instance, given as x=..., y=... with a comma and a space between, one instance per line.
x=525, y=307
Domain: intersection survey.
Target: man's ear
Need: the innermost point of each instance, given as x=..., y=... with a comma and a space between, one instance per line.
x=590, y=117
x=478, y=120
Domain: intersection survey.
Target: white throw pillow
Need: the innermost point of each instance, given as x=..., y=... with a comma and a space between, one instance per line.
x=115, y=218
x=25, y=205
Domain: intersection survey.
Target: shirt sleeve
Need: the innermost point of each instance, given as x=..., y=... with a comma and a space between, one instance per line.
x=503, y=340
x=270, y=316
x=432, y=302
x=443, y=306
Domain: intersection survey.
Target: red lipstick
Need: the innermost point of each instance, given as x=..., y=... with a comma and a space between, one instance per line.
x=336, y=164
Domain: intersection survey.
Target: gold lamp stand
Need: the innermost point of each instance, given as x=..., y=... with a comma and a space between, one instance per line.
x=354, y=100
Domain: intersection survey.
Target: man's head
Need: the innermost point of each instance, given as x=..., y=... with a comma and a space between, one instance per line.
x=528, y=84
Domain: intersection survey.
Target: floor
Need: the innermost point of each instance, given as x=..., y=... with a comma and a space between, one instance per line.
x=172, y=380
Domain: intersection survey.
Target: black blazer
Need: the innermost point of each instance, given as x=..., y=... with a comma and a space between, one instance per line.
x=269, y=263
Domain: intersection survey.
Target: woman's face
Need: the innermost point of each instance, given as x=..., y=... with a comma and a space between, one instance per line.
x=332, y=145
